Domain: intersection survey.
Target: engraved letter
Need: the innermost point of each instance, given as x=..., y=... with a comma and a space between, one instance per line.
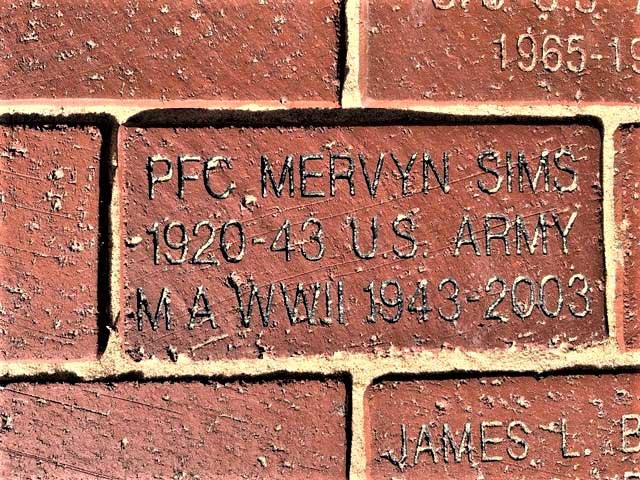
x=489, y=235
x=182, y=159
x=152, y=179
x=630, y=432
x=404, y=171
x=205, y=313
x=427, y=164
x=142, y=306
x=517, y=440
x=344, y=175
x=425, y=436
x=491, y=156
x=466, y=225
x=287, y=171
x=371, y=185
x=355, y=243
x=245, y=315
x=211, y=164
x=304, y=174
x=485, y=440
x=449, y=442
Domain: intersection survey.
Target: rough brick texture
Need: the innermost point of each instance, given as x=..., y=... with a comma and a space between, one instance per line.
x=319, y=239
x=627, y=141
x=285, y=50
x=49, y=242
x=415, y=51
x=173, y=430
x=156, y=256
x=517, y=427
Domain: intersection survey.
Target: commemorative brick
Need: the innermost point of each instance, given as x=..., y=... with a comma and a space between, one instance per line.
x=49, y=195
x=280, y=51
x=173, y=430
x=563, y=51
x=246, y=242
x=573, y=427
x=627, y=226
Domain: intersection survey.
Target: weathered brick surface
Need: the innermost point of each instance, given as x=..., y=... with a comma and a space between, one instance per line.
x=173, y=430
x=442, y=247
x=250, y=319
x=49, y=242
x=627, y=144
x=450, y=50
x=285, y=50
x=517, y=427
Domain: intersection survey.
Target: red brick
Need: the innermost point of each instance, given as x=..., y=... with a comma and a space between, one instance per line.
x=173, y=430
x=600, y=414
x=437, y=218
x=49, y=242
x=283, y=50
x=627, y=144
x=414, y=51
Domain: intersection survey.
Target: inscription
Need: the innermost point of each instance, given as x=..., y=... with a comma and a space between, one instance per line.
x=553, y=52
x=555, y=427
x=487, y=50
x=349, y=239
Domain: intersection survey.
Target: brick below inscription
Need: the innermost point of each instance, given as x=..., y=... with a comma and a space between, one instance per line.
x=173, y=430
x=572, y=427
x=486, y=236
x=280, y=51
x=48, y=242
x=496, y=50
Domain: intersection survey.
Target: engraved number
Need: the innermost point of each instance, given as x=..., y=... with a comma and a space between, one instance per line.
x=551, y=56
x=316, y=237
x=419, y=302
x=175, y=237
x=453, y=298
x=284, y=237
x=491, y=313
x=582, y=293
x=207, y=243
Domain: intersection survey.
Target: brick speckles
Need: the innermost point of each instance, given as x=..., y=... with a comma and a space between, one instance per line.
x=180, y=234
x=627, y=144
x=280, y=51
x=562, y=51
x=173, y=430
x=49, y=188
x=505, y=427
x=205, y=84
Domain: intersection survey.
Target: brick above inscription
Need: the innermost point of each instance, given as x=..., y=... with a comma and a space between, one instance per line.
x=282, y=51
x=573, y=427
x=563, y=51
x=246, y=242
x=49, y=195
x=183, y=430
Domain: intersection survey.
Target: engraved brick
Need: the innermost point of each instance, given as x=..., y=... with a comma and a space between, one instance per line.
x=437, y=239
x=173, y=430
x=627, y=144
x=505, y=427
x=281, y=51
x=49, y=189
x=549, y=50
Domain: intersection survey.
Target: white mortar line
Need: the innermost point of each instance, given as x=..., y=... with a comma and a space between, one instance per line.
x=125, y=110
x=358, y=454
x=604, y=356
x=351, y=91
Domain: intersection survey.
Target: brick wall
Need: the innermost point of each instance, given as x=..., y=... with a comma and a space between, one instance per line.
x=319, y=239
